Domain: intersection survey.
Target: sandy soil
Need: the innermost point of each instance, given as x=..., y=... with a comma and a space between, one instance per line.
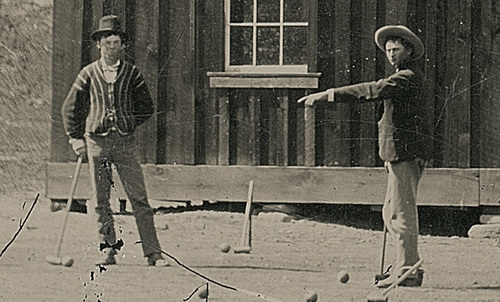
x=290, y=258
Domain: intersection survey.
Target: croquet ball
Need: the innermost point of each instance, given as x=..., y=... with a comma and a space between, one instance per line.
x=311, y=296
x=343, y=276
x=224, y=247
x=67, y=261
x=203, y=293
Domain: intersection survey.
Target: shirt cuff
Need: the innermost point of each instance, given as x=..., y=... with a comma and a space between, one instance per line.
x=330, y=95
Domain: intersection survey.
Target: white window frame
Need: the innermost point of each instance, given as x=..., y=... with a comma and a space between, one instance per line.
x=254, y=24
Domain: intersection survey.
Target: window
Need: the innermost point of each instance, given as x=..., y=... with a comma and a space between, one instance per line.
x=267, y=36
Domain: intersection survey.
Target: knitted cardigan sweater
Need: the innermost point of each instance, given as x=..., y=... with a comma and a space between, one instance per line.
x=95, y=107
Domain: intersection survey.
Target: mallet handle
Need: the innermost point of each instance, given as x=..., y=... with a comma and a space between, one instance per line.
x=72, y=189
x=247, y=223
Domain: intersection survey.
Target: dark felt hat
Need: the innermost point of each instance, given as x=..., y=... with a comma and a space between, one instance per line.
x=385, y=32
x=109, y=24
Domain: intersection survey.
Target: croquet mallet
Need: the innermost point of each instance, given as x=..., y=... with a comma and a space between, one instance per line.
x=382, y=274
x=56, y=260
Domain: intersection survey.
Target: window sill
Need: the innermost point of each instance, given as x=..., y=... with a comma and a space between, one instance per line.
x=263, y=80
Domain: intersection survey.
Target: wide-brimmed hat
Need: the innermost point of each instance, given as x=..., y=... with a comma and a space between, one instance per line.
x=385, y=32
x=109, y=24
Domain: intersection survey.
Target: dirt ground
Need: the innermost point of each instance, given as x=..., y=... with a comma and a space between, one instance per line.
x=290, y=257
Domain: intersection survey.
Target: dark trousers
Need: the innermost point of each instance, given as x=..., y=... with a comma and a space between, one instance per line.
x=121, y=151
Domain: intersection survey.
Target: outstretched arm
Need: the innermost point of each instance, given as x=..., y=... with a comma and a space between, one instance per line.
x=317, y=97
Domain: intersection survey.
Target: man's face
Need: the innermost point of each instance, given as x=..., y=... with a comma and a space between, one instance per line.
x=396, y=53
x=110, y=47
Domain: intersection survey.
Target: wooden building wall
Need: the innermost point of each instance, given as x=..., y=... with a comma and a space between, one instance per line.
x=176, y=43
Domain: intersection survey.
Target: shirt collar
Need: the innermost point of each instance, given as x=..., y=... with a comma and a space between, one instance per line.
x=110, y=68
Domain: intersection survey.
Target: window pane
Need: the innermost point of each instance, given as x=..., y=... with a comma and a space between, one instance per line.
x=268, y=44
x=295, y=11
x=295, y=45
x=241, y=11
x=241, y=45
x=268, y=10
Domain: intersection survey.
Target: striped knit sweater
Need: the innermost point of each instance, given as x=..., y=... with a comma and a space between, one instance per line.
x=94, y=106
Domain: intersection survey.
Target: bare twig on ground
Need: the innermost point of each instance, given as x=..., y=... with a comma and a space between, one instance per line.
x=247, y=292
x=21, y=225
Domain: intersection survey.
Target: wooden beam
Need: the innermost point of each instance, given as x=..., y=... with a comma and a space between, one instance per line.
x=264, y=81
x=489, y=187
x=332, y=185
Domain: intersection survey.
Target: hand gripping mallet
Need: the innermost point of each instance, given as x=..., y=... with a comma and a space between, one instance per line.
x=57, y=260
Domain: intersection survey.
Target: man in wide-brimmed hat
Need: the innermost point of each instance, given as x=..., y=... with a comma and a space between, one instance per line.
x=402, y=139
x=109, y=99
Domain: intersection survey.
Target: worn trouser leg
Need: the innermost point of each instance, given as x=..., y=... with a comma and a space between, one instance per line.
x=101, y=181
x=400, y=209
x=132, y=178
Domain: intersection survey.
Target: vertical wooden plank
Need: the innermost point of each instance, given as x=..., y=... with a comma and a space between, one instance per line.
x=338, y=141
x=334, y=17
x=440, y=82
x=98, y=10
x=428, y=25
x=66, y=63
x=282, y=139
x=271, y=129
x=146, y=58
x=355, y=74
x=224, y=118
x=180, y=75
x=211, y=58
x=484, y=122
x=242, y=130
x=254, y=129
x=309, y=136
x=312, y=35
x=247, y=129
x=457, y=102
x=396, y=12
x=300, y=144
x=211, y=127
x=368, y=53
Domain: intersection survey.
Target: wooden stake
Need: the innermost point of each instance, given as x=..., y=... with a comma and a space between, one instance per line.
x=246, y=231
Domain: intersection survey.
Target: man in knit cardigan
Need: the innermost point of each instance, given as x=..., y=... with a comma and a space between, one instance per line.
x=109, y=99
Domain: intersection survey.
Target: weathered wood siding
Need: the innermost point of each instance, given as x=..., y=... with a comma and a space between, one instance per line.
x=175, y=43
